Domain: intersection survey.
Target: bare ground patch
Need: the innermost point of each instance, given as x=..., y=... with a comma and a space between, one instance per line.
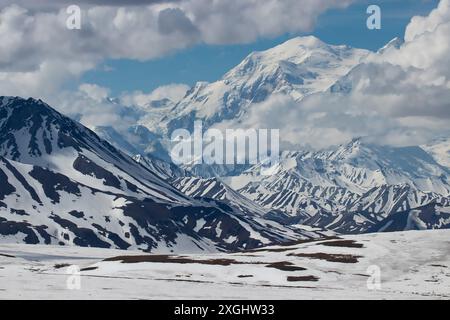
x=173, y=259
x=274, y=250
x=285, y=266
x=339, y=258
x=343, y=243
x=288, y=246
x=302, y=278
x=89, y=269
x=439, y=266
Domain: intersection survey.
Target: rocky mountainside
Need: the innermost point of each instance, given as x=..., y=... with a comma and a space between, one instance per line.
x=62, y=184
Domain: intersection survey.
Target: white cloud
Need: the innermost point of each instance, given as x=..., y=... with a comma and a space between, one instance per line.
x=94, y=91
x=236, y=21
x=420, y=25
x=89, y=106
x=39, y=53
x=43, y=82
x=173, y=92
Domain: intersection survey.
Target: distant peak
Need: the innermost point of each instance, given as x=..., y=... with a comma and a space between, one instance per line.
x=17, y=98
x=352, y=146
x=16, y=102
x=306, y=40
x=394, y=43
x=355, y=142
x=23, y=109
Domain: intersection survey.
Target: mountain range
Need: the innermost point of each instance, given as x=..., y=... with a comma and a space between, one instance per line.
x=62, y=184
x=65, y=184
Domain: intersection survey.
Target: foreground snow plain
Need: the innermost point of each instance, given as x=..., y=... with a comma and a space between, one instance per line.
x=413, y=265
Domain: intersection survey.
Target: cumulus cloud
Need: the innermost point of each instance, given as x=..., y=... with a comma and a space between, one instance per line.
x=237, y=21
x=39, y=53
x=94, y=91
x=93, y=106
x=173, y=92
x=420, y=25
x=173, y=20
x=90, y=106
x=45, y=4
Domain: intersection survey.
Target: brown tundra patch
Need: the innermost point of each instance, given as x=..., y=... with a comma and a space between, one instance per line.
x=172, y=259
x=302, y=278
x=285, y=266
x=343, y=243
x=339, y=258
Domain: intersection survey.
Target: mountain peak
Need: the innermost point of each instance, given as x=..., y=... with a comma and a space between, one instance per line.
x=30, y=129
x=395, y=43
x=299, y=48
x=296, y=48
x=299, y=67
x=28, y=106
x=307, y=41
x=8, y=99
x=350, y=149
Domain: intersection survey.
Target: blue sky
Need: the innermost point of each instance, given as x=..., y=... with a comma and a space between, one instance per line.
x=209, y=63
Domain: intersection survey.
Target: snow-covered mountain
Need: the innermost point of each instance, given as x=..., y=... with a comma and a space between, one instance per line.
x=359, y=166
x=298, y=67
x=62, y=184
x=348, y=188
x=378, y=207
x=431, y=216
x=329, y=190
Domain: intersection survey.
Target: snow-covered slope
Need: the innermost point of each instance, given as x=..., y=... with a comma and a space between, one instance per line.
x=62, y=184
x=412, y=265
x=440, y=151
x=154, y=112
x=165, y=170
